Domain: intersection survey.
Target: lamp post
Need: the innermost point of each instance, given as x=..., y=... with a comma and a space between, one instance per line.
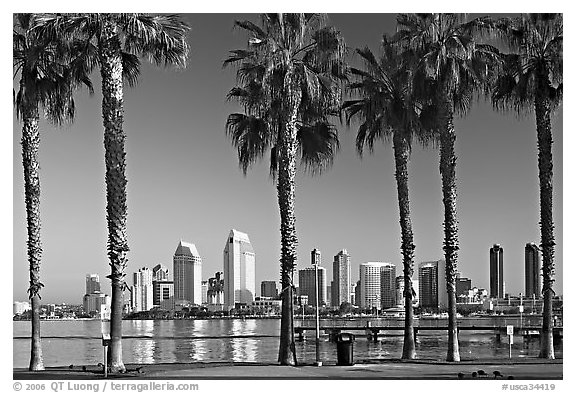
x=316, y=262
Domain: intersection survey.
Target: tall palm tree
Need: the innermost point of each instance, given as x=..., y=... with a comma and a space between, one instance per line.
x=532, y=80
x=387, y=109
x=46, y=82
x=288, y=86
x=114, y=42
x=457, y=64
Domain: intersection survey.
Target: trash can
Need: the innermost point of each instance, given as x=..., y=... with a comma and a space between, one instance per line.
x=345, y=349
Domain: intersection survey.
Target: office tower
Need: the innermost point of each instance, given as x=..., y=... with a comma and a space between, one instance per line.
x=97, y=304
x=160, y=273
x=532, y=270
x=341, y=278
x=400, y=290
x=432, y=284
x=268, y=289
x=463, y=285
x=163, y=294
x=387, y=285
x=239, y=270
x=187, y=274
x=142, y=290
x=204, y=285
x=92, y=283
x=357, y=293
x=306, y=285
x=497, y=272
x=216, y=289
x=329, y=295
x=353, y=293
x=370, y=284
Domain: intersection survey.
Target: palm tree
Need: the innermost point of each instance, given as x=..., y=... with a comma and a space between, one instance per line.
x=288, y=86
x=388, y=110
x=532, y=80
x=114, y=42
x=458, y=66
x=46, y=81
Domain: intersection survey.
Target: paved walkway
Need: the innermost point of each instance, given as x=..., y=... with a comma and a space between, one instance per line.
x=421, y=369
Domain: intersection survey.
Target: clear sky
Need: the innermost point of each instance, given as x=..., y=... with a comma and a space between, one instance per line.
x=184, y=182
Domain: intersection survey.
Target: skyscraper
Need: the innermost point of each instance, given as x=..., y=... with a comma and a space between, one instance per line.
x=387, y=285
x=532, y=269
x=92, y=284
x=268, y=289
x=239, y=270
x=370, y=284
x=160, y=273
x=142, y=290
x=432, y=285
x=341, y=278
x=497, y=272
x=187, y=274
x=307, y=287
x=216, y=289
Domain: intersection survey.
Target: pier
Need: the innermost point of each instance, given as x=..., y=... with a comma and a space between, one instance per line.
x=528, y=326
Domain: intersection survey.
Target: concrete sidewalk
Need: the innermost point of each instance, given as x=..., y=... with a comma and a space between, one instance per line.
x=535, y=369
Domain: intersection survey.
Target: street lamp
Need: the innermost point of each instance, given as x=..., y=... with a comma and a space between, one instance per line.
x=316, y=261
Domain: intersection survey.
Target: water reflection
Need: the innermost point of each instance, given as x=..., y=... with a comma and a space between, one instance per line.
x=251, y=340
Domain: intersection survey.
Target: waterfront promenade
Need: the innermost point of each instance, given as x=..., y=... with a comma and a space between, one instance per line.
x=518, y=369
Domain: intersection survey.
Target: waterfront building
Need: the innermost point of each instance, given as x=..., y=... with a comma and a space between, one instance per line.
x=204, y=285
x=532, y=270
x=97, y=304
x=329, y=293
x=370, y=284
x=268, y=289
x=92, y=283
x=341, y=278
x=497, y=272
x=20, y=307
x=353, y=293
x=142, y=290
x=187, y=274
x=463, y=285
x=239, y=270
x=215, y=292
x=163, y=294
x=265, y=306
x=387, y=285
x=432, y=285
x=357, y=293
x=399, y=290
x=160, y=273
x=306, y=278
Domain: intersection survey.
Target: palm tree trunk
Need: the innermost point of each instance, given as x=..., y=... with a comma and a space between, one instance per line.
x=401, y=154
x=448, y=173
x=115, y=158
x=544, y=132
x=286, y=198
x=30, y=145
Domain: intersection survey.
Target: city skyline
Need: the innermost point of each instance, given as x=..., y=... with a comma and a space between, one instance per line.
x=184, y=182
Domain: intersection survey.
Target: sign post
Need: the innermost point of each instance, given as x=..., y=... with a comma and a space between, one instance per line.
x=510, y=332
x=105, y=342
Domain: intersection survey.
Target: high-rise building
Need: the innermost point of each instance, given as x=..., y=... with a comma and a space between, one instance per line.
x=432, y=285
x=497, y=272
x=353, y=293
x=268, y=289
x=307, y=287
x=97, y=304
x=92, y=283
x=204, y=285
x=239, y=270
x=532, y=270
x=341, y=278
x=357, y=293
x=463, y=285
x=187, y=274
x=400, y=290
x=370, y=284
x=387, y=285
x=216, y=289
x=163, y=294
x=160, y=273
x=142, y=290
